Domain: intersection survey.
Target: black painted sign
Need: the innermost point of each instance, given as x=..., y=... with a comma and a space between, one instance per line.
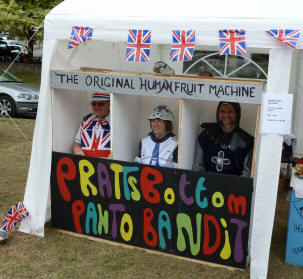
x=198, y=215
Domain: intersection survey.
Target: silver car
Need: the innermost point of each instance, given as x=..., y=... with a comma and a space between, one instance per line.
x=16, y=97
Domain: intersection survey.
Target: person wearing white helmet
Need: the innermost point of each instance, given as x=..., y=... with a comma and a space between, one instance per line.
x=160, y=146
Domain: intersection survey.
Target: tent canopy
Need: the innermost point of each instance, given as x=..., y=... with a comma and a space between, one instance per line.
x=111, y=21
x=181, y=9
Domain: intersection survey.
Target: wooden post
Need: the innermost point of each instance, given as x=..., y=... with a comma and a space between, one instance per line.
x=256, y=140
x=267, y=171
x=179, y=131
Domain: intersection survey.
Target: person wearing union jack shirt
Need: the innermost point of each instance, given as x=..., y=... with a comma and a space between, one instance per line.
x=160, y=146
x=93, y=136
x=224, y=147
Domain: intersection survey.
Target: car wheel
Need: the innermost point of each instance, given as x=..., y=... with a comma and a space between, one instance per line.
x=7, y=106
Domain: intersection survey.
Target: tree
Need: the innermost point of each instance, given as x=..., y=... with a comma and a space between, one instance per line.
x=22, y=18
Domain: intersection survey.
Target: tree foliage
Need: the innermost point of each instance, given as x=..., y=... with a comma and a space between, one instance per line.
x=21, y=18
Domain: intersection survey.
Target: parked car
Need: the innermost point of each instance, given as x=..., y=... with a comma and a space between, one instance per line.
x=5, y=53
x=9, y=51
x=16, y=97
x=18, y=51
x=13, y=43
x=4, y=35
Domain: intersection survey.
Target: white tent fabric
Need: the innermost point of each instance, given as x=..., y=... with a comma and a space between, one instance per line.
x=111, y=21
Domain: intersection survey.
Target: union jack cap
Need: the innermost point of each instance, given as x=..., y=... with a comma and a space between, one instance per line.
x=100, y=97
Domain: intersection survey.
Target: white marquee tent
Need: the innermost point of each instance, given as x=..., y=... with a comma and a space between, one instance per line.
x=111, y=21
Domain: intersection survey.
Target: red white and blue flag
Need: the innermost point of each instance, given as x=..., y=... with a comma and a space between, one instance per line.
x=232, y=42
x=183, y=46
x=15, y=215
x=79, y=35
x=138, y=45
x=95, y=136
x=286, y=36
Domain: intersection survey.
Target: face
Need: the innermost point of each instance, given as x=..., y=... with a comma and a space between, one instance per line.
x=100, y=108
x=227, y=116
x=158, y=127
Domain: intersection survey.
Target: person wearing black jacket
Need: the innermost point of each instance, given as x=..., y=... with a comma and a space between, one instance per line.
x=223, y=147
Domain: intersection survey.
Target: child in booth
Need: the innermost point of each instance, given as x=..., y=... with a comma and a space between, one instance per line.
x=160, y=146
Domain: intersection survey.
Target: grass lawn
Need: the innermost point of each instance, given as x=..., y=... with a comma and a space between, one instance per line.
x=30, y=78
x=59, y=255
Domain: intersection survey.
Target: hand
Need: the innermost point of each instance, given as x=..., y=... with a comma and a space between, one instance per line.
x=79, y=152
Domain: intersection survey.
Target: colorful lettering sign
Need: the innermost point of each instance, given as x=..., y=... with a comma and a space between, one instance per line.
x=198, y=215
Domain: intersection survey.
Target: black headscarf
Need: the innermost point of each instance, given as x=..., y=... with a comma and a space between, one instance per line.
x=237, y=109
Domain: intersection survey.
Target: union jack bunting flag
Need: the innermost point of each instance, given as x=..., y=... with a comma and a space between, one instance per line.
x=183, y=46
x=232, y=42
x=79, y=35
x=15, y=215
x=22, y=210
x=286, y=36
x=138, y=45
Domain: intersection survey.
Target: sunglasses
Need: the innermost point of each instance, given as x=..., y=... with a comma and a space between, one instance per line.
x=99, y=104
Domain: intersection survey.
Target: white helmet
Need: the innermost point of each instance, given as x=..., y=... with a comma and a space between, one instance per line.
x=161, y=112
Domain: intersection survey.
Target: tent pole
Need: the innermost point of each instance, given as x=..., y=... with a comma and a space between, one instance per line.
x=269, y=149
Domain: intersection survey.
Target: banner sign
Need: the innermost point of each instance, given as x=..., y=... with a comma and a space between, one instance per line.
x=162, y=86
x=198, y=215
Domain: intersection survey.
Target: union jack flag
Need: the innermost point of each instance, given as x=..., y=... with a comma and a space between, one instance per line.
x=138, y=45
x=286, y=36
x=22, y=210
x=79, y=35
x=183, y=46
x=15, y=215
x=232, y=42
x=95, y=134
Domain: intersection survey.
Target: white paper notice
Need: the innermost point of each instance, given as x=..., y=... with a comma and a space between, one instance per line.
x=276, y=114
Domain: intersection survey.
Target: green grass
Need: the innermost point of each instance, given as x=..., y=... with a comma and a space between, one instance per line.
x=63, y=256
x=30, y=78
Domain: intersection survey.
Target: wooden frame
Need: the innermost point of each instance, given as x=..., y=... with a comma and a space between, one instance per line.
x=72, y=83
x=76, y=81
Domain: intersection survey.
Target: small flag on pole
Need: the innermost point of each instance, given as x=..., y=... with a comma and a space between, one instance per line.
x=232, y=42
x=138, y=45
x=286, y=36
x=14, y=216
x=183, y=45
x=79, y=35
